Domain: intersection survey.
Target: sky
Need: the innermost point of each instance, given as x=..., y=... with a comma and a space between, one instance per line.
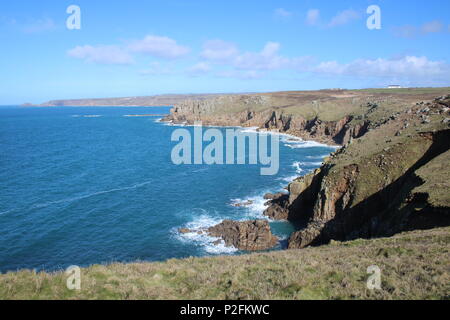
x=137, y=47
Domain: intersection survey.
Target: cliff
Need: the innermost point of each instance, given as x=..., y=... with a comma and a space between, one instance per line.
x=158, y=100
x=391, y=175
x=394, y=178
x=328, y=116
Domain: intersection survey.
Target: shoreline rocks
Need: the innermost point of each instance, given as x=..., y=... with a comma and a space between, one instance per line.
x=243, y=204
x=278, y=208
x=254, y=235
x=246, y=235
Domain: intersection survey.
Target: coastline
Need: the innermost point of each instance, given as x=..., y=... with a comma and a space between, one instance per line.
x=218, y=245
x=404, y=152
x=339, y=200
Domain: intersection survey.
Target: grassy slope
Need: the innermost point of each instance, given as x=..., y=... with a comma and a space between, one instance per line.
x=328, y=105
x=414, y=265
x=436, y=176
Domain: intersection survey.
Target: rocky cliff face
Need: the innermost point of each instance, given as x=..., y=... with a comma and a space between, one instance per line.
x=213, y=112
x=376, y=186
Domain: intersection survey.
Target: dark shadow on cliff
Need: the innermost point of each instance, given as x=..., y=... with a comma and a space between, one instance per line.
x=301, y=210
x=380, y=215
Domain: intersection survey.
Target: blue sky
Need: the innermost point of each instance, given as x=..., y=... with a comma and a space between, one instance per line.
x=133, y=48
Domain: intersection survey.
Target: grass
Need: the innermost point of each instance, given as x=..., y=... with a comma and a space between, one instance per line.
x=414, y=265
x=327, y=105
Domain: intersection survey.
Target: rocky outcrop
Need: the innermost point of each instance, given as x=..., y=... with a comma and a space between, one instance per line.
x=252, y=235
x=277, y=209
x=245, y=235
x=242, y=204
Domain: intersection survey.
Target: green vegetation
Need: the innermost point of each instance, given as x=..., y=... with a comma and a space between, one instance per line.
x=327, y=105
x=413, y=265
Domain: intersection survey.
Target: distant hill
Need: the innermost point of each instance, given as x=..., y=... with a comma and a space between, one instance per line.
x=158, y=100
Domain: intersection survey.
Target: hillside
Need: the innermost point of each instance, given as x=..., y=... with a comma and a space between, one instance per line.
x=413, y=265
x=158, y=100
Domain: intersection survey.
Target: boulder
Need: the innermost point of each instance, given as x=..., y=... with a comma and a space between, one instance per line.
x=277, y=211
x=277, y=206
x=243, y=204
x=245, y=235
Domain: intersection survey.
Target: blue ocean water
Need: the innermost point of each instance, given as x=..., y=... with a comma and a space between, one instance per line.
x=80, y=186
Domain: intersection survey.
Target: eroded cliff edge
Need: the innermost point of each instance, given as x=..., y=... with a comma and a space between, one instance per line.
x=391, y=175
x=395, y=178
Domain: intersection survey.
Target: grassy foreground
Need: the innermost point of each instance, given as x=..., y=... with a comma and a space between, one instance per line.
x=413, y=265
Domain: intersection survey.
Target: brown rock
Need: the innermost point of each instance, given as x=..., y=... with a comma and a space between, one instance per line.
x=277, y=212
x=246, y=235
x=278, y=206
x=273, y=196
x=243, y=204
x=305, y=237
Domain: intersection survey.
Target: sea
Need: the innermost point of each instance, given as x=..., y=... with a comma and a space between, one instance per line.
x=97, y=185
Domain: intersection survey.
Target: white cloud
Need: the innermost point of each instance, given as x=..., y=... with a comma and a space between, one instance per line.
x=312, y=17
x=247, y=65
x=344, y=17
x=101, y=54
x=161, y=47
x=199, y=69
x=406, y=31
x=282, y=13
x=341, y=18
x=241, y=74
x=409, y=31
x=267, y=59
x=432, y=27
x=219, y=51
x=409, y=67
x=225, y=53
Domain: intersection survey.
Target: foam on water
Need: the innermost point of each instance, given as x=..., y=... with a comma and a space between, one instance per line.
x=310, y=164
x=297, y=165
x=304, y=144
x=203, y=240
x=289, y=179
x=86, y=116
x=249, y=130
x=317, y=157
x=255, y=208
